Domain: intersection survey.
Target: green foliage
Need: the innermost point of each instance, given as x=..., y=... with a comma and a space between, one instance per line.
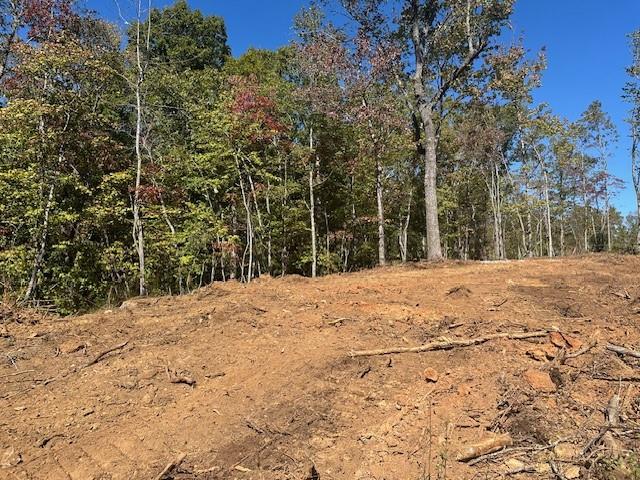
x=184, y=39
x=232, y=147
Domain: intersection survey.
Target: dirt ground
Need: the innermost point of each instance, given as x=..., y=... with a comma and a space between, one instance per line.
x=278, y=395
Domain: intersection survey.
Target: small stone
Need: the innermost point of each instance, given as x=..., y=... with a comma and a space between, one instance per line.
x=540, y=381
x=565, y=451
x=538, y=355
x=543, y=468
x=514, y=464
x=572, y=472
x=10, y=458
x=431, y=375
x=149, y=397
x=574, y=343
x=557, y=339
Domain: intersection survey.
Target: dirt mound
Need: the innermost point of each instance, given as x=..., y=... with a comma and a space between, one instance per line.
x=521, y=367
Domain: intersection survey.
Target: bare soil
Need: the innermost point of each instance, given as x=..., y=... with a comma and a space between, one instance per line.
x=277, y=395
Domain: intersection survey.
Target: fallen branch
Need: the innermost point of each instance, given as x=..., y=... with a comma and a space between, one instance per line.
x=102, y=354
x=620, y=378
x=604, y=436
x=623, y=351
x=485, y=447
x=15, y=374
x=447, y=344
x=171, y=465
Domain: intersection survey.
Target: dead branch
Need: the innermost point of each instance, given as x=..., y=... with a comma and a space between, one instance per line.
x=604, y=436
x=15, y=374
x=584, y=349
x=506, y=451
x=623, y=351
x=620, y=378
x=102, y=354
x=447, y=344
x=171, y=465
x=485, y=447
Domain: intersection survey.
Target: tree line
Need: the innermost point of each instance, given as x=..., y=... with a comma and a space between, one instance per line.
x=150, y=160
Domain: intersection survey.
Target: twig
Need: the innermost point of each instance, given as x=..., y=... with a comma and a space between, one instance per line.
x=446, y=344
x=14, y=374
x=556, y=470
x=106, y=352
x=337, y=321
x=584, y=349
x=171, y=465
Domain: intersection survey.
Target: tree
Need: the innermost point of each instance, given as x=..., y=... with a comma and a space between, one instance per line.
x=599, y=136
x=632, y=95
x=440, y=43
x=184, y=39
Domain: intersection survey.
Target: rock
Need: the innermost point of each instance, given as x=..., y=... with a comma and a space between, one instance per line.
x=561, y=340
x=565, y=451
x=572, y=472
x=549, y=350
x=538, y=355
x=540, y=381
x=514, y=464
x=574, y=343
x=149, y=397
x=10, y=458
x=557, y=339
x=431, y=375
x=543, y=468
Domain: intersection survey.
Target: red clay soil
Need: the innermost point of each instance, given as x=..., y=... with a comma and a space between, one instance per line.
x=277, y=394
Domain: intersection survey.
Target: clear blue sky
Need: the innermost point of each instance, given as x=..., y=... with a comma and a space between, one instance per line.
x=587, y=51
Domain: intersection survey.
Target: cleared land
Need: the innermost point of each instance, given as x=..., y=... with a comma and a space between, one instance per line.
x=278, y=395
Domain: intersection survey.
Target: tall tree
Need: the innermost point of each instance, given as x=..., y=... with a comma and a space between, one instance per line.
x=632, y=95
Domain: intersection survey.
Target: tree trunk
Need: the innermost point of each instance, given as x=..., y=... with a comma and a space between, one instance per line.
x=138, y=230
x=403, y=236
x=434, y=248
x=312, y=210
x=379, y=200
x=42, y=248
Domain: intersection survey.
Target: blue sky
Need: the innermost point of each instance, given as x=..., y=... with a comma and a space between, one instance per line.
x=587, y=51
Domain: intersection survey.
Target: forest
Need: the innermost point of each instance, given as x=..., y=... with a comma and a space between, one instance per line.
x=150, y=160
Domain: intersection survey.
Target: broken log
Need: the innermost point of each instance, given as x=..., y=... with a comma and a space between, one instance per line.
x=447, y=344
x=485, y=447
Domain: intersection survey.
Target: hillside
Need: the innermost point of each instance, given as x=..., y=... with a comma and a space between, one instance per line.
x=259, y=381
